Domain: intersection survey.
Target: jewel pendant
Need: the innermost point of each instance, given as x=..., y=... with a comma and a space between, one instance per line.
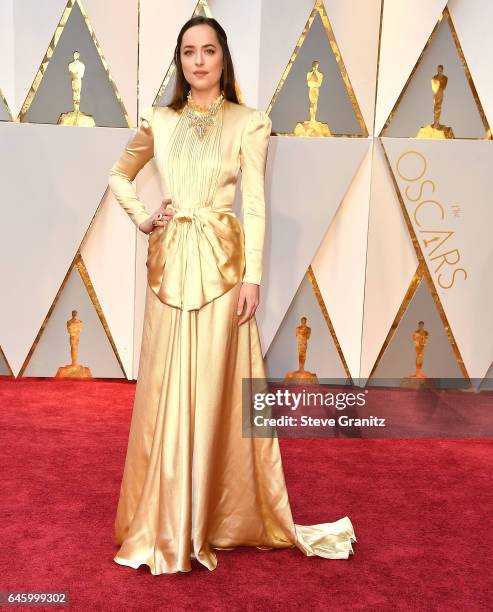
x=201, y=121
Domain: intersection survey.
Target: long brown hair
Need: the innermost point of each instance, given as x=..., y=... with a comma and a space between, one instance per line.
x=227, y=83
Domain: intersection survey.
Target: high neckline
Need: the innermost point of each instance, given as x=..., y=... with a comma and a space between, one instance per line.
x=210, y=108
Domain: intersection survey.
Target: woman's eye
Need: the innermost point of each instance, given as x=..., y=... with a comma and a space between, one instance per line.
x=211, y=51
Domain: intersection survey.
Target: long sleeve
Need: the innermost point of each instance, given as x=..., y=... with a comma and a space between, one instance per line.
x=135, y=156
x=253, y=160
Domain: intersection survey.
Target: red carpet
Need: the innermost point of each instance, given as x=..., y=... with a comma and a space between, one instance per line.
x=421, y=510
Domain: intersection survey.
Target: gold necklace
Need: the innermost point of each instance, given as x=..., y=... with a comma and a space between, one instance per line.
x=200, y=117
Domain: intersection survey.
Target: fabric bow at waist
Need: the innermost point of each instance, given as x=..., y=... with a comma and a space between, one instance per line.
x=197, y=257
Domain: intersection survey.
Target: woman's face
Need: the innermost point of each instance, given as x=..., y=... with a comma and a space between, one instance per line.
x=201, y=57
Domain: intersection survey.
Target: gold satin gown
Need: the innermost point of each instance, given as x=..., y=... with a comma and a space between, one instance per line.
x=191, y=483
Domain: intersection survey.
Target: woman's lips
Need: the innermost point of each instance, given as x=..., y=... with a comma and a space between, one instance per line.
x=200, y=74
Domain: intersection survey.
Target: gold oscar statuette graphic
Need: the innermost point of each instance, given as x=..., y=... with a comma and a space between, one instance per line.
x=303, y=332
x=313, y=127
x=418, y=380
x=436, y=129
x=76, y=117
x=74, y=370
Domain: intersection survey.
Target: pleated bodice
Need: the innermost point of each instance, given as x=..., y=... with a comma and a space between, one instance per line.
x=193, y=164
x=204, y=250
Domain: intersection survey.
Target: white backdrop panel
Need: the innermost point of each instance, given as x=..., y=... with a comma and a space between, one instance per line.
x=391, y=261
x=306, y=181
x=472, y=21
x=119, y=44
x=339, y=265
x=7, y=83
x=322, y=356
x=94, y=350
x=108, y=252
x=446, y=187
x=358, y=20
x=56, y=175
x=282, y=25
x=34, y=25
x=241, y=21
x=405, y=29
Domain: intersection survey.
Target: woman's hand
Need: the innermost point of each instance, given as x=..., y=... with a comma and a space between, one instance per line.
x=159, y=218
x=248, y=300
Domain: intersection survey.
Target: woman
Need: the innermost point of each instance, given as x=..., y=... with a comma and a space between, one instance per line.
x=191, y=482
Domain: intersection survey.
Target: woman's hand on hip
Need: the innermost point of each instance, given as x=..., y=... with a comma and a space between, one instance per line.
x=248, y=301
x=159, y=218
